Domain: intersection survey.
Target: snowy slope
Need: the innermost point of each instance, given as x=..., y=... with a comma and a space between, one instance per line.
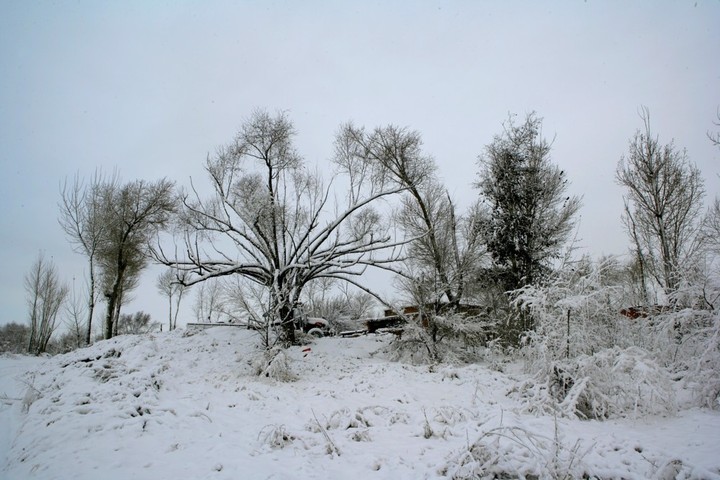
x=186, y=405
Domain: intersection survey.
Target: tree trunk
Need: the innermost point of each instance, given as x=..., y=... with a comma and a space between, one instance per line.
x=170, y=315
x=113, y=299
x=91, y=303
x=177, y=308
x=116, y=314
x=108, y=325
x=287, y=319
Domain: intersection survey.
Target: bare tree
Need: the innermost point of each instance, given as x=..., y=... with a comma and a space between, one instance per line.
x=275, y=213
x=443, y=252
x=73, y=319
x=138, y=323
x=341, y=304
x=711, y=229
x=318, y=298
x=170, y=284
x=662, y=205
x=81, y=217
x=45, y=295
x=132, y=213
x=209, y=303
x=715, y=137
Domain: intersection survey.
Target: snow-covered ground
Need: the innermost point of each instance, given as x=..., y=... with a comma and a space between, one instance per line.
x=187, y=405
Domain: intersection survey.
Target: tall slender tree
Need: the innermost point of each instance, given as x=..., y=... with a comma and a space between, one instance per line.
x=170, y=284
x=663, y=202
x=81, y=217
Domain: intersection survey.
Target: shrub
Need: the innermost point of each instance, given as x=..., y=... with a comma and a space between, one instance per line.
x=612, y=383
x=274, y=364
x=14, y=338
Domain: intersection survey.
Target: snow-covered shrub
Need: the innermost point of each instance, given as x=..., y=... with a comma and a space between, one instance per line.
x=575, y=313
x=704, y=371
x=516, y=452
x=463, y=338
x=275, y=436
x=611, y=383
x=14, y=337
x=273, y=363
x=443, y=338
x=31, y=395
x=344, y=419
x=689, y=343
x=415, y=345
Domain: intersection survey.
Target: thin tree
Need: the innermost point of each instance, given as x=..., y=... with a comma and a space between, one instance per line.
x=715, y=136
x=133, y=214
x=663, y=202
x=73, y=319
x=170, y=285
x=209, y=303
x=81, y=217
x=276, y=213
x=45, y=295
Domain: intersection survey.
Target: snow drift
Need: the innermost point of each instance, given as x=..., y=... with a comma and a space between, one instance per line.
x=191, y=405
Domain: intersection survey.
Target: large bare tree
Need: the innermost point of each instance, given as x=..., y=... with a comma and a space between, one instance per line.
x=663, y=202
x=272, y=221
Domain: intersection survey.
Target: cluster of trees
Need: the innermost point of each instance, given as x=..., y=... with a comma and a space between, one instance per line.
x=112, y=224
x=273, y=234
x=15, y=337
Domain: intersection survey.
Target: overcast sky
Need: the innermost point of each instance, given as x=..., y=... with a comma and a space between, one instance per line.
x=152, y=87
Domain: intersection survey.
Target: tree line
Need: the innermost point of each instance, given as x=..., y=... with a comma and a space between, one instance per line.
x=274, y=229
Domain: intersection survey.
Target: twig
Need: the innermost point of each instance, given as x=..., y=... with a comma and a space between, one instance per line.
x=332, y=448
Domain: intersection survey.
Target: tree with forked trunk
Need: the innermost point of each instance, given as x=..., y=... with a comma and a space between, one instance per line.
x=271, y=221
x=132, y=214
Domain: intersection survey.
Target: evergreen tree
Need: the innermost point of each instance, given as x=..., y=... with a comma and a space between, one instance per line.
x=527, y=214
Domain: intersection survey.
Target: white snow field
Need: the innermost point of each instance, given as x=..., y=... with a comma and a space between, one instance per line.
x=186, y=405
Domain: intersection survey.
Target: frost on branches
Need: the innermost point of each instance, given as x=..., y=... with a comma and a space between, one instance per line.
x=588, y=361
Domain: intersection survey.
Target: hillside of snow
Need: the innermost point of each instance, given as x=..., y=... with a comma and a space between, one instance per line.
x=187, y=404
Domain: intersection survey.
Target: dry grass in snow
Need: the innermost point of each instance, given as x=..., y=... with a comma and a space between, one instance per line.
x=191, y=405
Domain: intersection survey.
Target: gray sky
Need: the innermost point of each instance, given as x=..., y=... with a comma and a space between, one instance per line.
x=151, y=88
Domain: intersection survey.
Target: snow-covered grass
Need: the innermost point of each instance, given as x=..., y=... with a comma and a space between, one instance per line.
x=191, y=405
